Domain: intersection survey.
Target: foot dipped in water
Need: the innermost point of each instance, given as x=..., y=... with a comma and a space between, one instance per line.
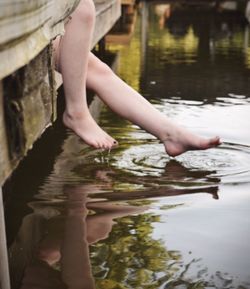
x=182, y=140
x=82, y=124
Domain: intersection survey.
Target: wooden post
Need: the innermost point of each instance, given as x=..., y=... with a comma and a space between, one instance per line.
x=102, y=46
x=144, y=30
x=4, y=264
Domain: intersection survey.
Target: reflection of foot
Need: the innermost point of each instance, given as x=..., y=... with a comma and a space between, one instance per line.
x=183, y=141
x=87, y=129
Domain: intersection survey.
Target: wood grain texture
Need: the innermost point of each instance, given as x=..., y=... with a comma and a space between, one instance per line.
x=5, y=163
x=27, y=27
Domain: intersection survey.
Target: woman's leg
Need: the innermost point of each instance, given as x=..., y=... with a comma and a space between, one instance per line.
x=72, y=61
x=128, y=103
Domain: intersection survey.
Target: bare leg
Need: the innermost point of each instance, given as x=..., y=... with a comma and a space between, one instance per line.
x=72, y=61
x=125, y=101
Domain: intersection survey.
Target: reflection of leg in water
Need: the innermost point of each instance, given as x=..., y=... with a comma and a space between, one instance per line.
x=100, y=225
x=175, y=170
x=37, y=272
x=80, y=230
x=192, y=181
x=67, y=241
x=76, y=267
x=164, y=191
x=41, y=275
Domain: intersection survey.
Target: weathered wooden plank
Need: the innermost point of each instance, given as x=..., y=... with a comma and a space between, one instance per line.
x=29, y=107
x=5, y=164
x=26, y=29
x=10, y=8
x=23, y=20
x=123, y=36
x=128, y=2
x=4, y=265
x=107, y=14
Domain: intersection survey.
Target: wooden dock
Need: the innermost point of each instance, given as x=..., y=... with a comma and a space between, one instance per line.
x=27, y=77
x=123, y=31
x=28, y=82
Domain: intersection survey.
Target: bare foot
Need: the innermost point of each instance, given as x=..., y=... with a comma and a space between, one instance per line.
x=87, y=129
x=183, y=141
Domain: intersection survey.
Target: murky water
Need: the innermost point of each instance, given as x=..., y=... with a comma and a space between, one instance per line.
x=134, y=217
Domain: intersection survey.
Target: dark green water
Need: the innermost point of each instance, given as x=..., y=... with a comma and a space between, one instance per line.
x=135, y=218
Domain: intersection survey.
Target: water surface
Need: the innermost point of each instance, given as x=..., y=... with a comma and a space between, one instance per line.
x=134, y=217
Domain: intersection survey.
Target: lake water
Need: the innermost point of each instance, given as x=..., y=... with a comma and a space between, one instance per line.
x=134, y=217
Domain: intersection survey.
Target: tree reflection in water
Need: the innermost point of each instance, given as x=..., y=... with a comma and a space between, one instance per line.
x=96, y=237
x=128, y=257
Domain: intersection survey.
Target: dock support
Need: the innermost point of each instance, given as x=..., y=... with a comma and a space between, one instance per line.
x=144, y=30
x=4, y=264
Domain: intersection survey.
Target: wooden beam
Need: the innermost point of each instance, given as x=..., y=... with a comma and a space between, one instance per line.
x=26, y=109
x=107, y=13
x=125, y=37
x=5, y=164
x=27, y=27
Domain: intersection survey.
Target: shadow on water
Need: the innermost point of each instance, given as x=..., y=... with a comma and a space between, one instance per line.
x=134, y=217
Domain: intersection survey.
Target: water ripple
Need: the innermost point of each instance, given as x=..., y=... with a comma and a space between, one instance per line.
x=229, y=163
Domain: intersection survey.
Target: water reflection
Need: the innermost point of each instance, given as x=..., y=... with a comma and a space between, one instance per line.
x=110, y=208
x=55, y=252
x=205, y=45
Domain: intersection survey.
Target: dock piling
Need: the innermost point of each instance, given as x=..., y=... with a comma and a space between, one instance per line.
x=4, y=265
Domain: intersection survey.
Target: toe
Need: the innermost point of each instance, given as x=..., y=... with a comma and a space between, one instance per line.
x=215, y=141
x=114, y=143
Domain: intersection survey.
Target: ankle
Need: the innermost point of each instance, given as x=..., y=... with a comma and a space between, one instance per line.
x=170, y=134
x=75, y=114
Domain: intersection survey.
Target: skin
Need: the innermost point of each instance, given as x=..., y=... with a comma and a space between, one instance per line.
x=81, y=69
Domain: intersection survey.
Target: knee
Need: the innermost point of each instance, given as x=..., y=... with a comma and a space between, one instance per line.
x=98, y=74
x=85, y=12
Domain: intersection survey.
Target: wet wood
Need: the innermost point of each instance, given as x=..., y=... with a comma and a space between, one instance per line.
x=27, y=107
x=4, y=266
